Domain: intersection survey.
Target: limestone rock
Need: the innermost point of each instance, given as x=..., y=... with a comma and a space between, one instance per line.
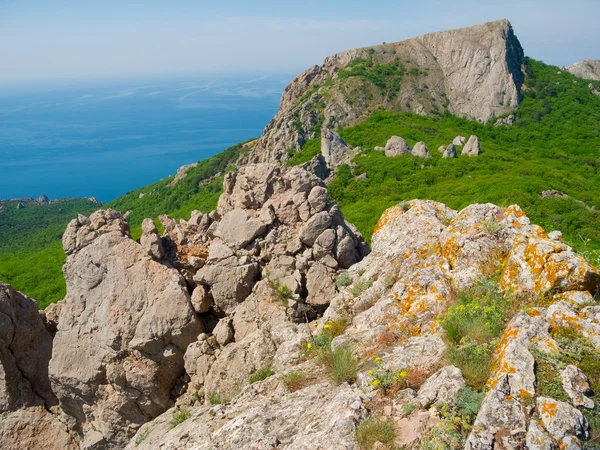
x=420, y=150
x=335, y=150
x=237, y=228
x=314, y=227
x=577, y=386
x=450, y=152
x=201, y=299
x=442, y=387
x=459, y=140
x=151, y=241
x=396, y=146
x=472, y=147
x=505, y=121
x=561, y=419
x=264, y=417
x=25, y=349
x=124, y=326
x=589, y=70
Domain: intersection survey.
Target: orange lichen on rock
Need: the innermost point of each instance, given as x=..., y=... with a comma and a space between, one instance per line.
x=388, y=215
x=548, y=408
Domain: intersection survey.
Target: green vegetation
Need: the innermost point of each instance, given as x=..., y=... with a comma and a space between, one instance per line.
x=294, y=380
x=360, y=286
x=384, y=378
x=141, y=438
x=31, y=248
x=214, y=398
x=375, y=430
x=181, y=415
x=472, y=328
x=310, y=149
x=261, y=374
x=456, y=424
x=343, y=280
x=387, y=77
x=553, y=144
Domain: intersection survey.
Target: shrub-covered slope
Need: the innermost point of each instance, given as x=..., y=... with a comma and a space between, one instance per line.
x=553, y=144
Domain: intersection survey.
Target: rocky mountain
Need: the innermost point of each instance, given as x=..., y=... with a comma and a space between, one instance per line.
x=588, y=70
x=267, y=323
x=472, y=72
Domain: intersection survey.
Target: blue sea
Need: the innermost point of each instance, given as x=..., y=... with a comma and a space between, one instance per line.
x=103, y=139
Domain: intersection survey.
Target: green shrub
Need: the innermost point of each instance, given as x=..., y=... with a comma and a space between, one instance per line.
x=214, y=398
x=468, y=402
x=181, y=415
x=294, y=380
x=360, y=286
x=141, y=438
x=261, y=374
x=472, y=328
x=341, y=365
x=409, y=408
x=374, y=430
x=343, y=280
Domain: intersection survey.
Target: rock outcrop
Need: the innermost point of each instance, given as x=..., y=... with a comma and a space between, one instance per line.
x=27, y=403
x=420, y=150
x=480, y=82
x=396, y=146
x=472, y=147
x=450, y=152
x=588, y=69
x=334, y=149
x=122, y=332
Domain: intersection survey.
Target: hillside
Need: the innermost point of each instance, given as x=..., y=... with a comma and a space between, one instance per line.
x=32, y=256
x=552, y=144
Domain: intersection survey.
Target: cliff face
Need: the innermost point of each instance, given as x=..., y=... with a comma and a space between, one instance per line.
x=473, y=72
x=589, y=69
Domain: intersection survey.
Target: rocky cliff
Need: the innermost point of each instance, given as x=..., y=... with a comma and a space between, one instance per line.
x=473, y=72
x=267, y=323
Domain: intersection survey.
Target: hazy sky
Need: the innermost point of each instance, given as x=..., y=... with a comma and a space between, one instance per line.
x=78, y=39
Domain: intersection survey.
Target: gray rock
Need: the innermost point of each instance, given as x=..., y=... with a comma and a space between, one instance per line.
x=320, y=286
x=538, y=439
x=441, y=387
x=201, y=299
x=317, y=199
x=577, y=386
x=124, y=326
x=505, y=121
x=223, y=332
x=442, y=148
x=459, y=140
x=420, y=150
x=589, y=69
x=314, y=227
x=472, y=147
x=335, y=150
x=151, y=241
x=396, y=146
x=561, y=419
x=450, y=152
x=238, y=228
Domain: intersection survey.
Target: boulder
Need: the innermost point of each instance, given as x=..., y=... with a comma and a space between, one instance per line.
x=450, y=152
x=335, y=150
x=237, y=228
x=442, y=387
x=151, y=241
x=459, y=140
x=420, y=150
x=314, y=227
x=396, y=146
x=472, y=147
x=589, y=69
x=577, y=386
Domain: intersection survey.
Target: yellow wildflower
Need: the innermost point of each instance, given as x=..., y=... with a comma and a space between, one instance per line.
x=456, y=419
x=403, y=374
x=309, y=346
x=327, y=326
x=315, y=324
x=375, y=383
x=377, y=360
x=370, y=372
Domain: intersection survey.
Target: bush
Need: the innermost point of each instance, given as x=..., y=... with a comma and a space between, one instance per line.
x=141, y=438
x=375, y=430
x=472, y=328
x=261, y=374
x=294, y=380
x=214, y=398
x=343, y=280
x=468, y=402
x=360, y=286
x=340, y=364
x=181, y=415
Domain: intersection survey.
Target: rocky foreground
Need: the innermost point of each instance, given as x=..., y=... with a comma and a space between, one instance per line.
x=268, y=324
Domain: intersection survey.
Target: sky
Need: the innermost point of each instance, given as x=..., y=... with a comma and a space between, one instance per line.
x=46, y=40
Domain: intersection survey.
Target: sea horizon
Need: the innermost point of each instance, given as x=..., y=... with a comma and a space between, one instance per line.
x=104, y=138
